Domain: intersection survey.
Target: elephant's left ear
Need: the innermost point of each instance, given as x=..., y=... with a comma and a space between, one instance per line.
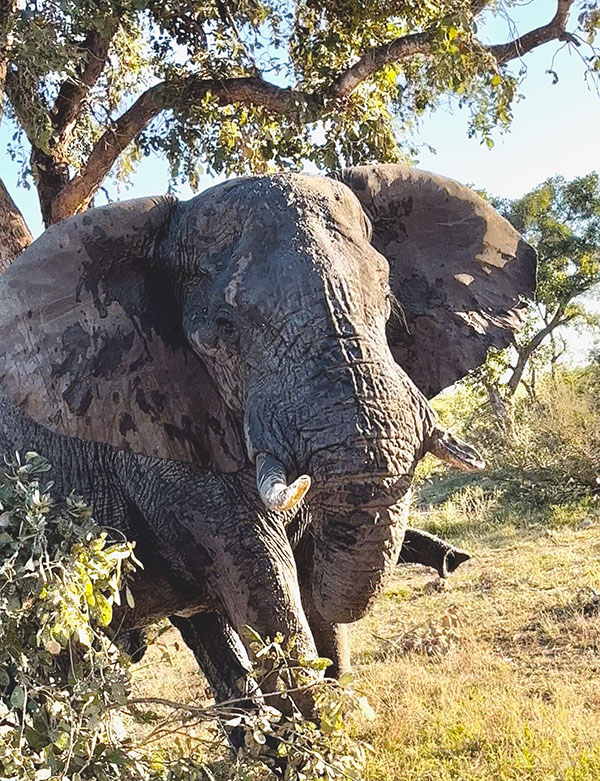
x=459, y=270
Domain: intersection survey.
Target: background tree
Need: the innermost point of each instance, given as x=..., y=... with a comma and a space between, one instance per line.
x=561, y=219
x=242, y=85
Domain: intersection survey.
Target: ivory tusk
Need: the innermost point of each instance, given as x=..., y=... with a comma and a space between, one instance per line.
x=271, y=481
x=454, y=451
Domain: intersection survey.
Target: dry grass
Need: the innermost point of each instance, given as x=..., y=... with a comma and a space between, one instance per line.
x=494, y=677
x=513, y=692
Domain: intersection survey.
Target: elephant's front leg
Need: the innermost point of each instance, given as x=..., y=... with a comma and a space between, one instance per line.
x=220, y=654
x=215, y=533
x=331, y=639
x=223, y=660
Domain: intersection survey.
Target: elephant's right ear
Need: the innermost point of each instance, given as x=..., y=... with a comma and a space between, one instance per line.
x=92, y=343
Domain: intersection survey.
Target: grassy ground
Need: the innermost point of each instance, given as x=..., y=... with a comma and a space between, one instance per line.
x=497, y=675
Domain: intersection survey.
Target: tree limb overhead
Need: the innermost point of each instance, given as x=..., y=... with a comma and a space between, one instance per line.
x=373, y=60
x=554, y=30
x=293, y=103
x=74, y=91
x=252, y=89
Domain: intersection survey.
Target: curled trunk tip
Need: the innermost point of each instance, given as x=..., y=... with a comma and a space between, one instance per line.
x=454, y=451
x=271, y=481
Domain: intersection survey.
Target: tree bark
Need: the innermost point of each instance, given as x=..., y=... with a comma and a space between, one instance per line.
x=15, y=236
x=51, y=177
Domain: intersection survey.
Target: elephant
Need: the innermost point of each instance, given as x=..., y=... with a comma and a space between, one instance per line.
x=239, y=383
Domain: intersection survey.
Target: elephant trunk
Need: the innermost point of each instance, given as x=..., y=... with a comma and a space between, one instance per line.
x=359, y=523
x=360, y=449
x=354, y=552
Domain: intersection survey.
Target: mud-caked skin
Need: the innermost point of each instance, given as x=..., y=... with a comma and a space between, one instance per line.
x=151, y=350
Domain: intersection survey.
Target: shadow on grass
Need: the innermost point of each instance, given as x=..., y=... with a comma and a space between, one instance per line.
x=532, y=489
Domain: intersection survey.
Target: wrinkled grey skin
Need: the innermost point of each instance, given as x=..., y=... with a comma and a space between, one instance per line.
x=261, y=307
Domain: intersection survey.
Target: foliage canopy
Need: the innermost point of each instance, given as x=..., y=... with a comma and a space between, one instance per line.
x=246, y=85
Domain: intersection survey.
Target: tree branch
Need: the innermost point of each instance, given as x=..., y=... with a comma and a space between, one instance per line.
x=75, y=90
x=378, y=57
x=373, y=60
x=526, y=351
x=76, y=194
x=554, y=30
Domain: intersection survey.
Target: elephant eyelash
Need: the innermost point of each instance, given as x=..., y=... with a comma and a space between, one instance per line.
x=396, y=310
x=197, y=275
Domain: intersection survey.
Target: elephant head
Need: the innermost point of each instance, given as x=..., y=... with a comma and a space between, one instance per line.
x=256, y=323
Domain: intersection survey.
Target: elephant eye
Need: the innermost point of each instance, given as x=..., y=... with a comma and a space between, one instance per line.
x=227, y=329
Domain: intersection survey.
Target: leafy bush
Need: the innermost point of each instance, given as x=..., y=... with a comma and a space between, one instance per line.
x=559, y=430
x=59, y=674
x=63, y=683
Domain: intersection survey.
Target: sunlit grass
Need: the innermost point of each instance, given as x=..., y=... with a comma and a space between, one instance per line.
x=515, y=693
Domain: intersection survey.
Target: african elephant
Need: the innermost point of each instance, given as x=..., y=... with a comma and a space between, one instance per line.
x=228, y=378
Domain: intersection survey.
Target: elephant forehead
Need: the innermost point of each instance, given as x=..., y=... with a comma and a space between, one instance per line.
x=255, y=215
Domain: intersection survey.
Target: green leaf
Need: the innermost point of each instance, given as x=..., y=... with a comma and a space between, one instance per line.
x=319, y=663
x=62, y=740
x=129, y=597
x=17, y=698
x=103, y=609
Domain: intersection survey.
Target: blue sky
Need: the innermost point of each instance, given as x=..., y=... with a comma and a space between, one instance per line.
x=556, y=130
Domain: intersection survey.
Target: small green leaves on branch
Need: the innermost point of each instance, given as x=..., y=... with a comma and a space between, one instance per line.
x=59, y=579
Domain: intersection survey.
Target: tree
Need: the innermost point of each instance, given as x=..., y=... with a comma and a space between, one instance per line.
x=242, y=85
x=14, y=232
x=561, y=219
x=15, y=236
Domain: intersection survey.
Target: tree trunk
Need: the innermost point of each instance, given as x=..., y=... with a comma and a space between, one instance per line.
x=501, y=409
x=526, y=351
x=15, y=236
x=51, y=176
